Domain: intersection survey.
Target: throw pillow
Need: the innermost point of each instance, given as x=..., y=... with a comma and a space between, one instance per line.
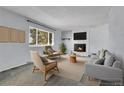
x=109, y=61
x=108, y=54
x=102, y=53
x=116, y=64
x=98, y=53
x=100, y=61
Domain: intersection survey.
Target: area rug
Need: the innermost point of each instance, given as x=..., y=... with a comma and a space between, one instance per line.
x=73, y=71
x=61, y=81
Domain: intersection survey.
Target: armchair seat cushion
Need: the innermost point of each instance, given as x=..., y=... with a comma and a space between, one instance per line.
x=50, y=65
x=44, y=60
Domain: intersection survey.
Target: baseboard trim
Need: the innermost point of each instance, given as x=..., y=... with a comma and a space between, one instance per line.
x=16, y=67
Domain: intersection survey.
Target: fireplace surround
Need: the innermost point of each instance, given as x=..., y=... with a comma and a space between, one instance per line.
x=80, y=47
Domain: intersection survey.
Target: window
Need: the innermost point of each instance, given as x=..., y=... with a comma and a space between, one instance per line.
x=39, y=37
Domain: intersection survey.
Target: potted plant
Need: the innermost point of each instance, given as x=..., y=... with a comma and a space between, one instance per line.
x=62, y=48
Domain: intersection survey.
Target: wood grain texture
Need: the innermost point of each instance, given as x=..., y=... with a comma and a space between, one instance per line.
x=11, y=35
x=4, y=35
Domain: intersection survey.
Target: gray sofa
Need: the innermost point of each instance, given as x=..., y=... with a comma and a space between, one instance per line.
x=107, y=70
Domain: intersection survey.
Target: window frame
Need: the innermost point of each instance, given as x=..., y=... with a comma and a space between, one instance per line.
x=39, y=29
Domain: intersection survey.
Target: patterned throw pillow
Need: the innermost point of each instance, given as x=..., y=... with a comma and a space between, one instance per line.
x=102, y=53
x=100, y=61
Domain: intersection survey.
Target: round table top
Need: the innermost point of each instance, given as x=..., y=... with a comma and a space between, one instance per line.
x=72, y=55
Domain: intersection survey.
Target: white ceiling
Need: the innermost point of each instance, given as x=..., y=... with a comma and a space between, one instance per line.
x=64, y=17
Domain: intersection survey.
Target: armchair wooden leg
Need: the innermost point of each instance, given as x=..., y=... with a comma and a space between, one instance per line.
x=57, y=68
x=45, y=76
x=33, y=69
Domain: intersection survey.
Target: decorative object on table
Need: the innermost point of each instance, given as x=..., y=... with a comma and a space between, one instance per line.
x=66, y=38
x=74, y=54
x=62, y=48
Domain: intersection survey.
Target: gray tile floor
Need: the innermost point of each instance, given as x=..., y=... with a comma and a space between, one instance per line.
x=21, y=76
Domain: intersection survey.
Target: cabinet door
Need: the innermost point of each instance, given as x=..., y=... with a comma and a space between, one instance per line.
x=4, y=35
x=21, y=36
x=14, y=36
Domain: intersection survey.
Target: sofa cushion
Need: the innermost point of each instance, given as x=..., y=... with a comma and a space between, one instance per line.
x=98, y=53
x=109, y=61
x=100, y=61
x=117, y=64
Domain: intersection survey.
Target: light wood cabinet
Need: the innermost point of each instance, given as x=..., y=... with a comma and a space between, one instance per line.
x=11, y=35
x=21, y=36
x=14, y=36
x=4, y=34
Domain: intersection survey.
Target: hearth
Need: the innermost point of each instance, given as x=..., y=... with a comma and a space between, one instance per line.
x=80, y=47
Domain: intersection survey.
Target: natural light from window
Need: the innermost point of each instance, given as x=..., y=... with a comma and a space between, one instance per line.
x=39, y=37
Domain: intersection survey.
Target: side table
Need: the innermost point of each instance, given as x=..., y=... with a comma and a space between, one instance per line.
x=73, y=58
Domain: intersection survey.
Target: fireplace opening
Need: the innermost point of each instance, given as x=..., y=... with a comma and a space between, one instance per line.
x=80, y=47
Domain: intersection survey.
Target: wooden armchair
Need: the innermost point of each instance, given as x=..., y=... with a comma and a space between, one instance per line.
x=44, y=67
x=50, y=52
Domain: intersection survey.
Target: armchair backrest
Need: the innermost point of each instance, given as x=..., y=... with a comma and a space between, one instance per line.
x=35, y=57
x=49, y=50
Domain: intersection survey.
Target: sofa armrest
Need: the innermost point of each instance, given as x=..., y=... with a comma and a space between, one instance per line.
x=102, y=72
x=94, y=57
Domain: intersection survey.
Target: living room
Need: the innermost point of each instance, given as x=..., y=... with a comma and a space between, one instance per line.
x=62, y=28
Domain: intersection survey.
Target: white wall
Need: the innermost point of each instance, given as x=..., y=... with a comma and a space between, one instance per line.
x=16, y=54
x=68, y=43
x=12, y=54
x=99, y=36
x=116, y=33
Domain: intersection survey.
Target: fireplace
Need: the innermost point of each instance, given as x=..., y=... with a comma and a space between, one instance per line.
x=80, y=47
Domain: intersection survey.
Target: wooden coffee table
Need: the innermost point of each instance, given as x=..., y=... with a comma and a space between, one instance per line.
x=73, y=58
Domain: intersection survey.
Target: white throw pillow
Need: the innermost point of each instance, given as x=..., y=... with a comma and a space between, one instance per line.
x=116, y=64
x=109, y=61
x=102, y=54
x=108, y=54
